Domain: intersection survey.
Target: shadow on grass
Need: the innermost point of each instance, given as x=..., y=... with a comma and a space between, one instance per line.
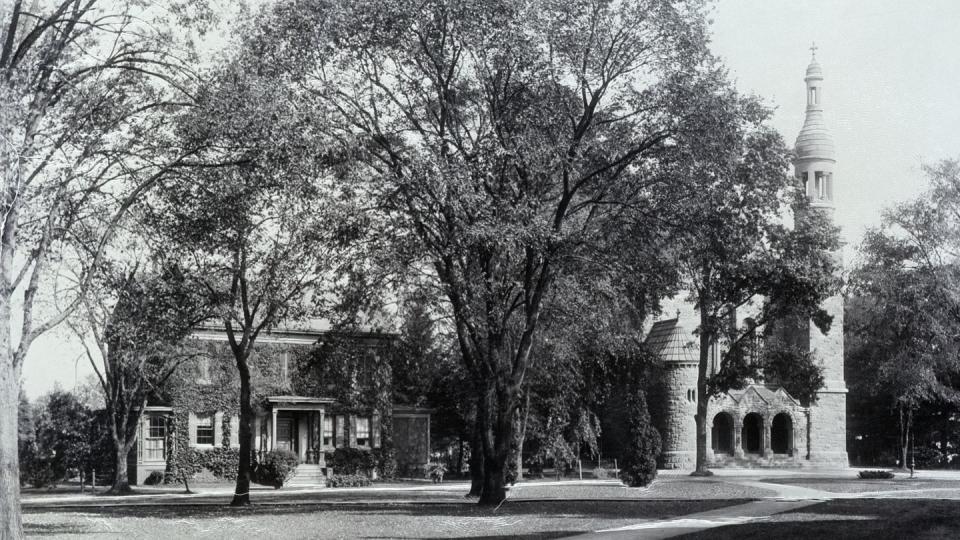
x=873, y=519
x=52, y=529
x=582, y=509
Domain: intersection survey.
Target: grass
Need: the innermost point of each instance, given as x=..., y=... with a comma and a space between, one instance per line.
x=873, y=519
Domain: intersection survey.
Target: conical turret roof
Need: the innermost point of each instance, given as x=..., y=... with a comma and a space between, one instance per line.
x=814, y=140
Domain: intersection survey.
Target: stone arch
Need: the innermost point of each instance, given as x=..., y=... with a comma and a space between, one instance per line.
x=722, y=434
x=752, y=434
x=781, y=434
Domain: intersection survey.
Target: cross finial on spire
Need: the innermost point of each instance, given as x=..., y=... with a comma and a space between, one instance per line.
x=813, y=50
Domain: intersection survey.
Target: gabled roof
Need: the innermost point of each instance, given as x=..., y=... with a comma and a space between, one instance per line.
x=671, y=342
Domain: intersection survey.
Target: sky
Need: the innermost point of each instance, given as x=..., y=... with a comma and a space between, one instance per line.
x=891, y=98
x=891, y=80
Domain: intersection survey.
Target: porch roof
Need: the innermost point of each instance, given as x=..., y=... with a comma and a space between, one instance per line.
x=299, y=400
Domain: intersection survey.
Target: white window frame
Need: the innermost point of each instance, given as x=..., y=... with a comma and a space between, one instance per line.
x=363, y=421
x=212, y=426
x=329, y=436
x=152, y=442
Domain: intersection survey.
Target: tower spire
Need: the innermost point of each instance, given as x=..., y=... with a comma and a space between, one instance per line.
x=813, y=51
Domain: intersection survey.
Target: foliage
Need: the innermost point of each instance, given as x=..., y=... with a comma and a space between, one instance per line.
x=639, y=462
x=275, y=468
x=792, y=368
x=528, y=133
x=602, y=473
x=875, y=475
x=63, y=433
x=924, y=457
x=348, y=480
x=435, y=471
x=906, y=310
x=351, y=461
x=386, y=460
x=154, y=479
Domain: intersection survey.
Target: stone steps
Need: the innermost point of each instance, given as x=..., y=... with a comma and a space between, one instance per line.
x=308, y=475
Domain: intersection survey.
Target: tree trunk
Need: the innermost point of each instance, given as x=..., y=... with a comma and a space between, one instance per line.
x=498, y=433
x=706, y=337
x=476, y=458
x=11, y=526
x=902, y=440
x=523, y=435
x=241, y=495
x=121, y=479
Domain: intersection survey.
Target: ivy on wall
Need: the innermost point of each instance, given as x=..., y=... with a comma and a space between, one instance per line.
x=355, y=372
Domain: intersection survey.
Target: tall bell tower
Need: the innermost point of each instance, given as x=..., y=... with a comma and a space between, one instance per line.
x=814, y=164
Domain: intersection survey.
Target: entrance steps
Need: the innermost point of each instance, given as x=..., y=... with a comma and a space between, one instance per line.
x=750, y=461
x=308, y=474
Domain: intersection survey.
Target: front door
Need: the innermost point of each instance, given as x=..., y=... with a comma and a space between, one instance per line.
x=285, y=434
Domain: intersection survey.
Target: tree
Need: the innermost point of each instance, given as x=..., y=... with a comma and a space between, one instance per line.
x=63, y=433
x=640, y=459
x=904, y=348
x=493, y=141
x=262, y=234
x=138, y=319
x=736, y=251
x=85, y=89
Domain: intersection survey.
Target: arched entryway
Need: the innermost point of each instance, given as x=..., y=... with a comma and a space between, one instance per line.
x=722, y=433
x=781, y=434
x=752, y=434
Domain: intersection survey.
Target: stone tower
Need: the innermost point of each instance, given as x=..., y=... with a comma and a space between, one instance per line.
x=814, y=164
x=671, y=341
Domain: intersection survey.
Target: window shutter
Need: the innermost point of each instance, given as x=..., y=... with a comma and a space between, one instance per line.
x=192, y=427
x=234, y=431
x=375, y=431
x=217, y=429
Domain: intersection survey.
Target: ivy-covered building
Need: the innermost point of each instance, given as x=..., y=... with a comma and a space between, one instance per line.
x=313, y=392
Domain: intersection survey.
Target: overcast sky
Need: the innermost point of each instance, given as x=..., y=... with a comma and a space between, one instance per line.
x=891, y=91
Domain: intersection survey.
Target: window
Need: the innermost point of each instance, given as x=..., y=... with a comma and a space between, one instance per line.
x=203, y=370
x=820, y=183
x=285, y=368
x=806, y=181
x=363, y=432
x=205, y=430
x=328, y=431
x=156, y=438
x=813, y=96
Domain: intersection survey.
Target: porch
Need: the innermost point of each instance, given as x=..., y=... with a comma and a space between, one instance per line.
x=295, y=424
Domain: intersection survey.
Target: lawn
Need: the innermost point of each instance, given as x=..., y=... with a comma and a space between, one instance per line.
x=553, y=519
x=873, y=519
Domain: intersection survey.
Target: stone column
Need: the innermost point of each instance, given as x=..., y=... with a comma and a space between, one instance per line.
x=765, y=436
x=738, y=437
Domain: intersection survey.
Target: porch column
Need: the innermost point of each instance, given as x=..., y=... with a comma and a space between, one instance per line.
x=273, y=431
x=321, y=460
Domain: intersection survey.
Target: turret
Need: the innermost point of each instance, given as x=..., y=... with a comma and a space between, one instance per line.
x=815, y=154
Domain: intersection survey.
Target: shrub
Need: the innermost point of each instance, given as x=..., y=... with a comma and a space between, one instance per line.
x=348, y=480
x=925, y=457
x=639, y=466
x=350, y=461
x=875, y=475
x=601, y=473
x=276, y=467
x=435, y=472
x=386, y=460
x=154, y=478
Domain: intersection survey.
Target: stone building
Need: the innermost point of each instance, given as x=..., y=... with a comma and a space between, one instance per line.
x=295, y=408
x=762, y=425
